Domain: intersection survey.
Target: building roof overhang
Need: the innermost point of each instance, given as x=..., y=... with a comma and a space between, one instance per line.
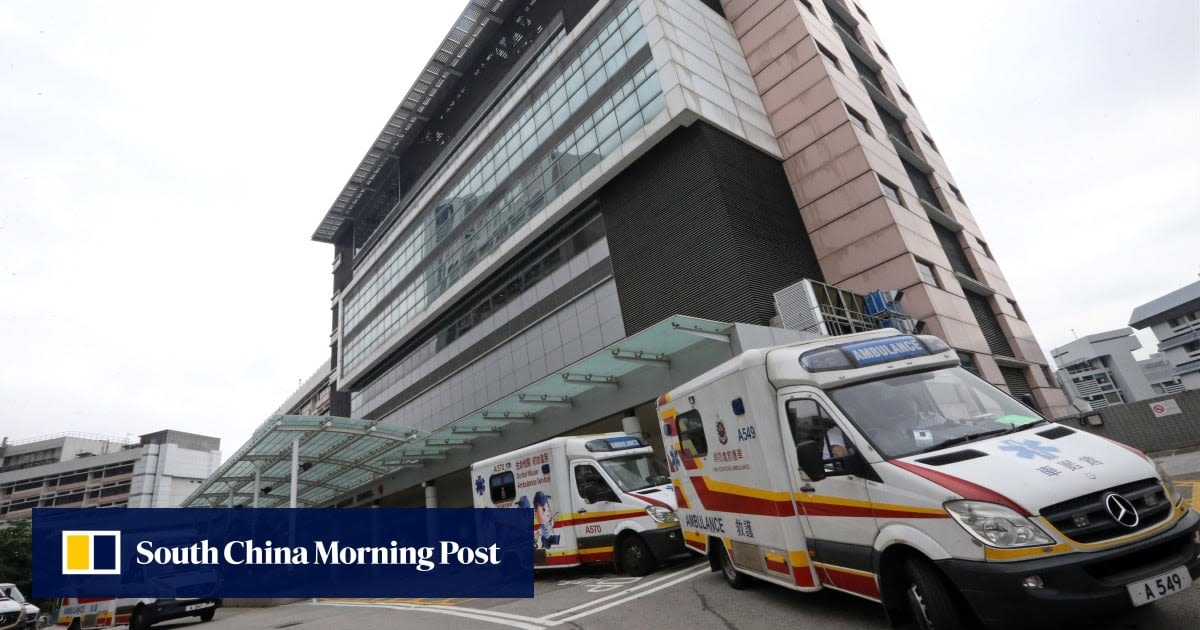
x=425, y=96
x=339, y=456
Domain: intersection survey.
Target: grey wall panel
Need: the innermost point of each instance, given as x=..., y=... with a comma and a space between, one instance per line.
x=704, y=225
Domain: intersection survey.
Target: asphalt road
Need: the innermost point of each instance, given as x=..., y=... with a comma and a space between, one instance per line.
x=684, y=594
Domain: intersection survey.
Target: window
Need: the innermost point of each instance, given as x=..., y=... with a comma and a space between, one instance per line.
x=861, y=12
x=691, y=434
x=807, y=5
x=984, y=246
x=810, y=422
x=957, y=194
x=858, y=120
x=925, y=270
x=903, y=93
x=829, y=56
x=504, y=486
x=890, y=191
x=590, y=483
x=929, y=141
x=1016, y=309
x=1192, y=348
x=882, y=51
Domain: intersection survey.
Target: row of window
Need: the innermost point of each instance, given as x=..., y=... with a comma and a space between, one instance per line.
x=522, y=280
x=619, y=112
x=583, y=73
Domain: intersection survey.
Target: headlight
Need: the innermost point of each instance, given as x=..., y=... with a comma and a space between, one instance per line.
x=1173, y=496
x=997, y=525
x=662, y=514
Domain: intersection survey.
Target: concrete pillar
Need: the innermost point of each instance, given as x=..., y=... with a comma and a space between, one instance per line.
x=430, y=494
x=256, y=486
x=295, y=470
x=631, y=425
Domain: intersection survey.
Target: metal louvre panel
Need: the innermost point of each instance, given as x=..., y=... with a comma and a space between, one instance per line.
x=989, y=325
x=1016, y=381
x=954, y=251
x=704, y=225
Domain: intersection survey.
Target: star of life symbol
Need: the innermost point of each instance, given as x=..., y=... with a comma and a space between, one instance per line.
x=479, y=485
x=1028, y=449
x=674, y=460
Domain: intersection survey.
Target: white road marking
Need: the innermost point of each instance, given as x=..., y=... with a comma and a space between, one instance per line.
x=627, y=591
x=638, y=594
x=504, y=619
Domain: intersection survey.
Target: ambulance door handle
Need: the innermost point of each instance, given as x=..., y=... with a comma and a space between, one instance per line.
x=581, y=510
x=807, y=488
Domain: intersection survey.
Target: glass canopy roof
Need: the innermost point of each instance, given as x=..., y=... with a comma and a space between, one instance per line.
x=338, y=456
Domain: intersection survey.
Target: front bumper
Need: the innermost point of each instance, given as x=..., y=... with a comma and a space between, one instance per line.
x=664, y=543
x=1075, y=585
x=165, y=609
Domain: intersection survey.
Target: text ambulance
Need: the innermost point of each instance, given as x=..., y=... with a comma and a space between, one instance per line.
x=875, y=465
x=86, y=613
x=595, y=498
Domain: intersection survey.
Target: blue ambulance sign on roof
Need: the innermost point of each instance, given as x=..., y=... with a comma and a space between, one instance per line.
x=879, y=351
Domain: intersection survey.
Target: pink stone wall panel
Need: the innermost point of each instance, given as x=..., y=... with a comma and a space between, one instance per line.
x=754, y=14
x=811, y=128
x=867, y=252
x=857, y=192
x=808, y=187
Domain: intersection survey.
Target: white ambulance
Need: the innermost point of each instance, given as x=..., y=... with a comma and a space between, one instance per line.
x=595, y=498
x=873, y=464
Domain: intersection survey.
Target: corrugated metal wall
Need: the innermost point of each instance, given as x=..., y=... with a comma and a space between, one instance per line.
x=704, y=225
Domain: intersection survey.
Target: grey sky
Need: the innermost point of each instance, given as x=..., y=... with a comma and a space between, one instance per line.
x=163, y=166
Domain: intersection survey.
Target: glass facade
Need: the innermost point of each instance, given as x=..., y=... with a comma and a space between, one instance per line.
x=600, y=93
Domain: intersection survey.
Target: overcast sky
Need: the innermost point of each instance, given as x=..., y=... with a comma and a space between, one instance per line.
x=163, y=166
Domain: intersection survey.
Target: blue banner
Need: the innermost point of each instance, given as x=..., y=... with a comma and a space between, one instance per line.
x=223, y=552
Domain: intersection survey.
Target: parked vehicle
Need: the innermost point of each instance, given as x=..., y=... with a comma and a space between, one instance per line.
x=873, y=464
x=32, y=613
x=596, y=498
x=85, y=613
x=12, y=614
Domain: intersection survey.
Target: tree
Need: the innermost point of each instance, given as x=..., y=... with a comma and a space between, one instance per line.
x=16, y=555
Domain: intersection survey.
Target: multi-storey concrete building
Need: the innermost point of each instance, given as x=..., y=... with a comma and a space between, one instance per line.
x=1101, y=370
x=79, y=470
x=564, y=178
x=1175, y=321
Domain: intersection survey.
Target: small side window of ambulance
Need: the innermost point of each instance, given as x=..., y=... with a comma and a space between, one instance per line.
x=504, y=486
x=691, y=434
x=810, y=422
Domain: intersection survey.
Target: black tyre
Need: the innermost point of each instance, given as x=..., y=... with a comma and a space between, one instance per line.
x=932, y=603
x=208, y=614
x=75, y=624
x=138, y=621
x=733, y=577
x=636, y=558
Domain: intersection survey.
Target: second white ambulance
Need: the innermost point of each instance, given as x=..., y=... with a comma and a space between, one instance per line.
x=873, y=464
x=596, y=498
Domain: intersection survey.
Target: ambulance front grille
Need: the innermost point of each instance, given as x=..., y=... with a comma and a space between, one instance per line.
x=1088, y=519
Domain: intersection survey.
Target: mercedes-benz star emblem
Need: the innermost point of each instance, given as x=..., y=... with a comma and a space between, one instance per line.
x=1121, y=509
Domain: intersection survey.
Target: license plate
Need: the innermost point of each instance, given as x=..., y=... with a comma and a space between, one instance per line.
x=1159, y=586
x=192, y=607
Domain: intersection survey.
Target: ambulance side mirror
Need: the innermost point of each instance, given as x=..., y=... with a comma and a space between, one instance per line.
x=808, y=454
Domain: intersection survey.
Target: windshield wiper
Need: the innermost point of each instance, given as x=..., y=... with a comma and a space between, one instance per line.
x=967, y=438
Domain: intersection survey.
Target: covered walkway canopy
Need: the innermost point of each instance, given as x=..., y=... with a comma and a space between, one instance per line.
x=334, y=457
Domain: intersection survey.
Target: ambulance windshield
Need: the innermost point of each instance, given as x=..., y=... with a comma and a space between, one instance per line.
x=636, y=472
x=914, y=413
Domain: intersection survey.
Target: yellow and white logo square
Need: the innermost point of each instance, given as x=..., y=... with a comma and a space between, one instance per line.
x=91, y=553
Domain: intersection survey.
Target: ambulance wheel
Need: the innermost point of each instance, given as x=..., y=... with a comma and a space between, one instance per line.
x=931, y=602
x=734, y=578
x=636, y=559
x=75, y=624
x=137, y=621
x=208, y=615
